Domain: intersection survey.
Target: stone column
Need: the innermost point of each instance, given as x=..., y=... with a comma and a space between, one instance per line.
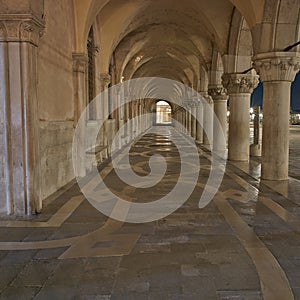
x=199, y=123
x=127, y=118
x=188, y=118
x=182, y=118
x=119, y=115
x=220, y=97
x=80, y=63
x=208, y=119
x=181, y=112
x=194, y=119
x=255, y=148
x=20, y=178
x=105, y=80
x=277, y=70
x=239, y=87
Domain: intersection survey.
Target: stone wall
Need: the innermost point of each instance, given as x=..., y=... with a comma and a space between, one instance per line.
x=56, y=96
x=56, y=156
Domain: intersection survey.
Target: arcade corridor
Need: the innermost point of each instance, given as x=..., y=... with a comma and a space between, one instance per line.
x=147, y=151
x=235, y=248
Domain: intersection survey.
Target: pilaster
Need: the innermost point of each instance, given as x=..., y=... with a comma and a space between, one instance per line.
x=19, y=38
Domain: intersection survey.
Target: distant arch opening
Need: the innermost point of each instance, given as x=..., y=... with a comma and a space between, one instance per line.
x=163, y=113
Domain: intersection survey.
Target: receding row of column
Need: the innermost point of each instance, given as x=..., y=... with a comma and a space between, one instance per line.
x=277, y=71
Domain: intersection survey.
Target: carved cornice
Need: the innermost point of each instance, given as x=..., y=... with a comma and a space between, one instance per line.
x=240, y=83
x=218, y=93
x=80, y=62
x=21, y=28
x=277, y=66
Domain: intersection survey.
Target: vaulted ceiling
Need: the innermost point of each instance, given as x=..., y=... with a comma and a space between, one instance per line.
x=169, y=38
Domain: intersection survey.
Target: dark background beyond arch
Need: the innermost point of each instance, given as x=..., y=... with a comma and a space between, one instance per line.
x=257, y=96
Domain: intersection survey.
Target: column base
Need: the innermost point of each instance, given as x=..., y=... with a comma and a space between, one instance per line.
x=255, y=150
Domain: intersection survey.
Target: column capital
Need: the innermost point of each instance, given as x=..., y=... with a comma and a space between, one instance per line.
x=240, y=83
x=218, y=93
x=105, y=78
x=21, y=28
x=80, y=62
x=277, y=66
x=207, y=97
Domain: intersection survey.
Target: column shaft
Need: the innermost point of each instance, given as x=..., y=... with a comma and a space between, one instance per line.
x=80, y=62
x=199, y=128
x=239, y=130
x=277, y=71
x=220, y=132
x=275, y=148
x=239, y=88
x=208, y=121
x=20, y=178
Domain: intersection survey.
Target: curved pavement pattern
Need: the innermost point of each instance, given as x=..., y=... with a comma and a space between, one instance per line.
x=244, y=245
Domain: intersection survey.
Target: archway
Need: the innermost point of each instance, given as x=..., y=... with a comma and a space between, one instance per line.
x=163, y=113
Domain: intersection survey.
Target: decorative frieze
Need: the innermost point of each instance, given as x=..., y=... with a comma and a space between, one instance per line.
x=277, y=66
x=240, y=83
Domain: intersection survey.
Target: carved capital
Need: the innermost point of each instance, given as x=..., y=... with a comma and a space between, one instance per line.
x=105, y=79
x=21, y=28
x=218, y=93
x=240, y=83
x=80, y=62
x=277, y=66
x=206, y=97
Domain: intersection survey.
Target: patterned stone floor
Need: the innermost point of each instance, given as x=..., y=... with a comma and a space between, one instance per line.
x=244, y=245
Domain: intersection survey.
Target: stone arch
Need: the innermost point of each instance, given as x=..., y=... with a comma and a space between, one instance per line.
x=216, y=69
x=85, y=14
x=240, y=46
x=279, y=27
x=87, y=11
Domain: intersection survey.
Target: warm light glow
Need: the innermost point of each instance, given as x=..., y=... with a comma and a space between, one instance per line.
x=138, y=59
x=163, y=113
